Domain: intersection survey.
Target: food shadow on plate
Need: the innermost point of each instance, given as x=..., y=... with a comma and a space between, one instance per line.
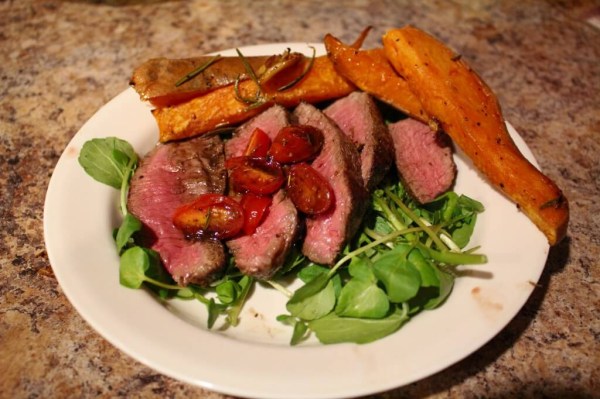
x=497, y=346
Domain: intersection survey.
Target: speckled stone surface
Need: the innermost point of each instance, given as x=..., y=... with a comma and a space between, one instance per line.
x=61, y=61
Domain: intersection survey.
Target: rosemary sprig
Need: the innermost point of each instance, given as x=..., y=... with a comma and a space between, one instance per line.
x=257, y=100
x=303, y=74
x=197, y=71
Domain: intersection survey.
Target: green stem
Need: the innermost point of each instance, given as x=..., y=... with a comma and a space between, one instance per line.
x=362, y=249
x=161, y=284
x=454, y=258
x=398, y=225
x=279, y=288
x=416, y=219
x=125, y=185
x=197, y=71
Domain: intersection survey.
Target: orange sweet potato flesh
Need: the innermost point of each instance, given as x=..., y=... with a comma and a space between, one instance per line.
x=467, y=109
x=155, y=80
x=222, y=107
x=371, y=72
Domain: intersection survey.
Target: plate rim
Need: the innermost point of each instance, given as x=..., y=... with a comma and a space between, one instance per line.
x=269, y=352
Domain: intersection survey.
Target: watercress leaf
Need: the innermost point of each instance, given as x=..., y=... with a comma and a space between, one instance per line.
x=107, y=160
x=299, y=334
x=311, y=271
x=400, y=278
x=312, y=287
x=333, y=329
x=214, y=311
x=362, y=298
x=228, y=291
x=132, y=267
x=185, y=293
x=428, y=272
x=445, y=288
x=155, y=269
x=286, y=319
x=129, y=226
x=361, y=268
x=233, y=312
x=313, y=303
x=462, y=233
x=468, y=203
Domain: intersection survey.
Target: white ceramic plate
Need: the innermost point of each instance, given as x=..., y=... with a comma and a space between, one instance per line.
x=254, y=359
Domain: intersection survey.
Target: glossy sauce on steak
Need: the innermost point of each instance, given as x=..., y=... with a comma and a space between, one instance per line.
x=339, y=163
x=169, y=176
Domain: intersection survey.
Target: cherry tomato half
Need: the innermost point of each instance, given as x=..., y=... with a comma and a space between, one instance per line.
x=255, y=175
x=296, y=143
x=258, y=145
x=214, y=215
x=255, y=207
x=308, y=189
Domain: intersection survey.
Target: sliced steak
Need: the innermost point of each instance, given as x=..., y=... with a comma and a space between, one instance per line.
x=270, y=121
x=170, y=175
x=358, y=116
x=339, y=163
x=261, y=254
x=423, y=158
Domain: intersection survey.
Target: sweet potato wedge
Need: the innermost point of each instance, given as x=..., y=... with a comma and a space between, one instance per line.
x=160, y=82
x=222, y=107
x=468, y=111
x=371, y=72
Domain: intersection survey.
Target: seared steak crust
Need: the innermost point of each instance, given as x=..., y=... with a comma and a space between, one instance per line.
x=339, y=163
x=270, y=121
x=423, y=158
x=170, y=175
x=261, y=254
x=359, y=118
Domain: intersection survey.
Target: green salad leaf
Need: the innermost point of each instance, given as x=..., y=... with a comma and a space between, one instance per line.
x=400, y=262
x=108, y=160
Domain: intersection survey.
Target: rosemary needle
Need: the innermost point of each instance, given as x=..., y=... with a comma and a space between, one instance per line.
x=197, y=71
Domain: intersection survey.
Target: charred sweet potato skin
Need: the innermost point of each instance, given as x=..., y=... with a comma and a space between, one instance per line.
x=155, y=80
x=466, y=108
x=371, y=72
x=222, y=107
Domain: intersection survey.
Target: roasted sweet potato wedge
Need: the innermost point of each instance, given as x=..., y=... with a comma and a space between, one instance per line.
x=468, y=111
x=160, y=82
x=222, y=107
x=371, y=72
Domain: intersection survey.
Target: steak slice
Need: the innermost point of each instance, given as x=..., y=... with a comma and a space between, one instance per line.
x=270, y=121
x=170, y=175
x=423, y=158
x=262, y=253
x=339, y=163
x=358, y=116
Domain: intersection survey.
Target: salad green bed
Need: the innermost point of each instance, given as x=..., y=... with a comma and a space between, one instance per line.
x=401, y=262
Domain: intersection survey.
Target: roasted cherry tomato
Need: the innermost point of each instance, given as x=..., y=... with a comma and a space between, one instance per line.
x=255, y=207
x=258, y=145
x=213, y=215
x=254, y=175
x=309, y=190
x=296, y=143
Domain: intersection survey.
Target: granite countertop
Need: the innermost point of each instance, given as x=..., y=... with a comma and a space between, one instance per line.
x=62, y=60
